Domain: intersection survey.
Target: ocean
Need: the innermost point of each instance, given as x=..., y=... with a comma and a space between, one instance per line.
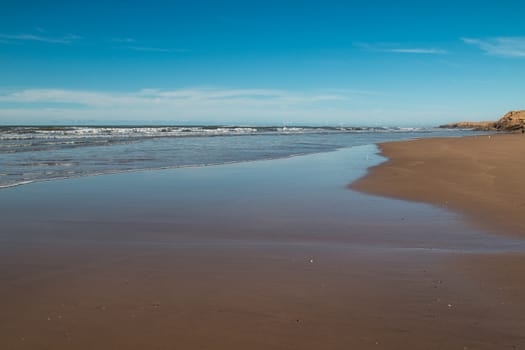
x=42, y=153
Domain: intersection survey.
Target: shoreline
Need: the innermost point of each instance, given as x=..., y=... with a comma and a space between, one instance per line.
x=153, y=154
x=128, y=171
x=477, y=176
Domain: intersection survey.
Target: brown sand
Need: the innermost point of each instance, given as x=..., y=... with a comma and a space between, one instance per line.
x=255, y=298
x=481, y=176
x=87, y=282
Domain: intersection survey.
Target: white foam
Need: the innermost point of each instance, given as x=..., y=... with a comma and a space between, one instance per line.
x=14, y=184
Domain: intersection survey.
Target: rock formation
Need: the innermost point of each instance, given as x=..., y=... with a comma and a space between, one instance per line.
x=471, y=125
x=512, y=121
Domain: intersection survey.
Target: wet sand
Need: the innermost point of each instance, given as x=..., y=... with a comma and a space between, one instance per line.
x=203, y=259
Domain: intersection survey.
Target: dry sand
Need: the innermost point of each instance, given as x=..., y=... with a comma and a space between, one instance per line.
x=481, y=176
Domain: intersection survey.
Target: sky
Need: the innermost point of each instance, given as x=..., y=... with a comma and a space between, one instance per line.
x=355, y=63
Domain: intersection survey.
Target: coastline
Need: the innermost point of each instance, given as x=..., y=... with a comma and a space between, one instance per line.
x=26, y=162
x=479, y=176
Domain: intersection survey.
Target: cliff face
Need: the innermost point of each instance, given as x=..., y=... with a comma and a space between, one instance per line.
x=512, y=121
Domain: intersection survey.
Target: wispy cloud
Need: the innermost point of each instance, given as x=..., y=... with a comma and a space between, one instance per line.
x=66, y=39
x=123, y=40
x=397, y=48
x=154, y=49
x=155, y=96
x=135, y=45
x=419, y=51
x=501, y=46
x=210, y=104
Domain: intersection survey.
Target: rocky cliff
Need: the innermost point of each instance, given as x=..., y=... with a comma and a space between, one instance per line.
x=512, y=121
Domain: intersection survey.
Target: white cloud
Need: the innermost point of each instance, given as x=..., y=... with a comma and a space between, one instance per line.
x=123, y=40
x=67, y=39
x=501, y=46
x=418, y=51
x=211, y=105
x=134, y=45
x=396, y=48
x=154, y=49
x=197, y=104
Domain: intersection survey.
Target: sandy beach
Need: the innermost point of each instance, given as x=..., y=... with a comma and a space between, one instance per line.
x=480, y=176
x=262, y=175
x=199, y=258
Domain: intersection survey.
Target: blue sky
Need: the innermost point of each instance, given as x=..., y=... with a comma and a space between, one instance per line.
x=260, y=62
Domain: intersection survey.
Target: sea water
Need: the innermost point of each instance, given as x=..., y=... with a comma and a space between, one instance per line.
x=41, y=153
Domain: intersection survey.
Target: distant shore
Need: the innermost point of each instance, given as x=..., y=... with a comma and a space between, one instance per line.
x=512, y=121
x=480, y=176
